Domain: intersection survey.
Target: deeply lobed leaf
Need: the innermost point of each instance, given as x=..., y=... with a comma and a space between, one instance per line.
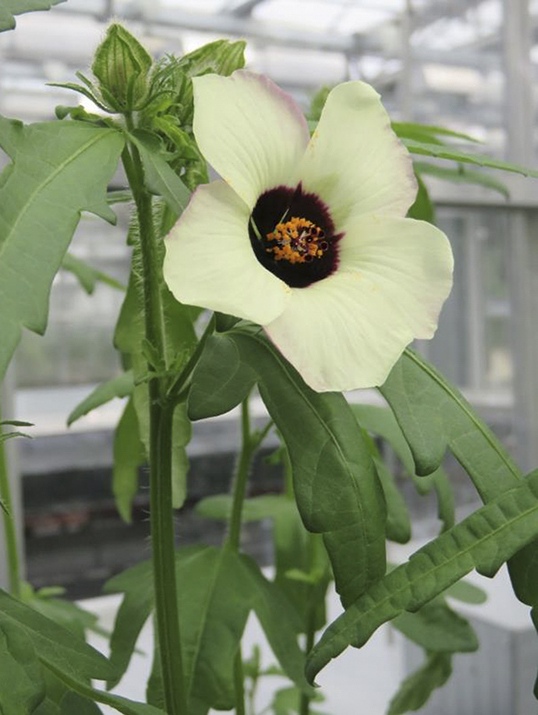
x=484, y=540
x=10, y=8
x=59, y=169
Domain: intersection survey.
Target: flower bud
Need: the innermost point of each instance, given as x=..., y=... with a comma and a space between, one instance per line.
x=122, y=65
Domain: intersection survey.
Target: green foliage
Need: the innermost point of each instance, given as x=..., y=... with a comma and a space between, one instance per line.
x=129, y=454
x=287, y=701
x=221, y=380
x=417, y=688
x=433, y=416
x=169, y=113
x=466, y=592
x=74, y=703
x=54, y=646
x=428, y=133
x=87, y=276
x=120, y=386
x=484, y=540
x=22, y=686
x=213, y=613
x=65, y=613
x=380, y=421
x=438, y=629
x=220, y=57
x=336, y=487
x=179, y=342
x=422, y=208
x=10, y=8
x=441, y=151
x=160, y=177
x=461, y=175
x=58, y=171
x=301, y=566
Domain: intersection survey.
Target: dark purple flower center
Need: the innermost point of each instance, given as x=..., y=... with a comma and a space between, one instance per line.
x=292, y=235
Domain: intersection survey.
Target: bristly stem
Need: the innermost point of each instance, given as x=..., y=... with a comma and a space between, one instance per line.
x=160, y=416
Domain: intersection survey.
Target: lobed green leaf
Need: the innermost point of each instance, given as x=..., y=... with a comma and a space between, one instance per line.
x=10, y=8
x=336, y=487
x=484, y=540
x=87, y=275
x=442, y=151
x=438, y=629
x=213, y=614
x=58, y=170
x=129, y=455
x=461, y=175
x=428, y=133
x=120, y=386
x=433, y=415
x=22, y=687
x=416, y=689
x=54, y=645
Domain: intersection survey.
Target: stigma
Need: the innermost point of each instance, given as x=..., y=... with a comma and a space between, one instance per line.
x=297, y=241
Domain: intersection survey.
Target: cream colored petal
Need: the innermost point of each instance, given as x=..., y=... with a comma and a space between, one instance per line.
x=354, y=161
x=250, y=131
x=209, y=261
x=347, y=331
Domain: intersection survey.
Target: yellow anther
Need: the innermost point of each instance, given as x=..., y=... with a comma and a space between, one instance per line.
x=298, y=241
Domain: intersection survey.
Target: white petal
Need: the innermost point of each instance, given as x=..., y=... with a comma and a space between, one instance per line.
x=209, y=261
x=347, y=331
x=250, y=131
x=354, y=161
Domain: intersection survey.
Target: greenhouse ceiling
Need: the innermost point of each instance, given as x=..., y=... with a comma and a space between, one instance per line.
x=432, y=47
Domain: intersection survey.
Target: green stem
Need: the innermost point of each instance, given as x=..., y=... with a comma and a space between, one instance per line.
x=160, y=450
x=163, y=554
x=10, y=532
x=233, y=539
x=240, y=479
x=304, y=707
x=239, y=682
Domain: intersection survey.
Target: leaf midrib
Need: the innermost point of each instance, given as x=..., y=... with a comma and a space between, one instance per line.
x=42, y=185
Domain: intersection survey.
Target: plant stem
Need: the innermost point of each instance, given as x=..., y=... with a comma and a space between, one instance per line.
x=304, y=707
x=239, y=483
x=239, y=682
x=233, y=538
x=10, y=533
x=162, y=537
x=160, y=449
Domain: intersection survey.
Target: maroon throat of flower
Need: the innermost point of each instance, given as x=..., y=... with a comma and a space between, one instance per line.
x=292, y=235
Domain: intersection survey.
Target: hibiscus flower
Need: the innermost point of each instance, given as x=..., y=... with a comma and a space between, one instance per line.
x=307, y=236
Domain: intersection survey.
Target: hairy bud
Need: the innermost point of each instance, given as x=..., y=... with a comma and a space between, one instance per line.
x=121, y=66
